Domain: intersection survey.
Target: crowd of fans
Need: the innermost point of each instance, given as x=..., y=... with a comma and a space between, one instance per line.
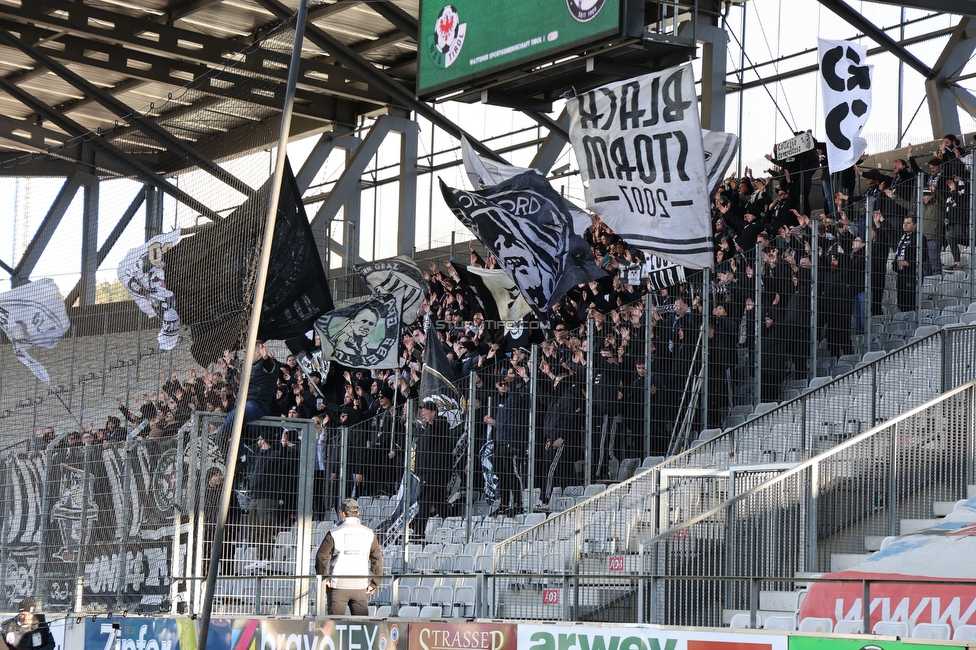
x=646, y=342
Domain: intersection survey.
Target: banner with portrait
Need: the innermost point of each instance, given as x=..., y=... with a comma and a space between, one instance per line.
x=365, y=335
x=483, y=172
x=399, y=277
x=524, y=223
x=143, y=273
x=33, y=314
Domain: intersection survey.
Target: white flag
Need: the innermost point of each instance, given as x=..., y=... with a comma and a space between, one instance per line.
x=845, y=79
x=30, y=315
x=639, y=147
x=142, y=272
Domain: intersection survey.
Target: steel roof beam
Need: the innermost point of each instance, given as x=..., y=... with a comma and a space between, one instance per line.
x=39, y=243
x=878, y=35
x=131, y=164
x=149, y=127
x=112, y=239
x=363, y=68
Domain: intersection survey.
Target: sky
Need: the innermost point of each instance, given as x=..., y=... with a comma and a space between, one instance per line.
x=769, y=114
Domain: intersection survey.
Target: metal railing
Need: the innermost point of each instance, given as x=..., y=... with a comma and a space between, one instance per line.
x=823, y=506
x=688, y=484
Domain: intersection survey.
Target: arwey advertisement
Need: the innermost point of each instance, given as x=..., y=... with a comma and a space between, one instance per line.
x=556, y=637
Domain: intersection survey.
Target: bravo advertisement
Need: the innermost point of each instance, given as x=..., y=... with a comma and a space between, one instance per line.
x=558, y=637
x=252, y=634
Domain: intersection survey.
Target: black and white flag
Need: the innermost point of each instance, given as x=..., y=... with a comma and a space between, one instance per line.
x=524, y=223
x=500, y=298
x=33, y=314
x=364, y=335
x=437, y=384
x=399, y=277
x=845, y=79
x=213, y=273
x=143, y=273
x=719, y=150
x=483, y=173
x=437, y=379
x=641, y=157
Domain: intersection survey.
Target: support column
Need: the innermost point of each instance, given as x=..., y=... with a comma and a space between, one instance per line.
x=89, y=239
x=714, y=58
x=154, y=212
x=407, y=213
x=942, y=92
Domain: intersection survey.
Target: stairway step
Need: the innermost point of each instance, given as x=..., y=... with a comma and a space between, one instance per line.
x=909, y=526
x=844, y=561
x=782, y=601
x=727, y=614
x=800, y=575
x=943, y=508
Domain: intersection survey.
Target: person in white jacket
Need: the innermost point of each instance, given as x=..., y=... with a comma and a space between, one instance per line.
x=350, y=549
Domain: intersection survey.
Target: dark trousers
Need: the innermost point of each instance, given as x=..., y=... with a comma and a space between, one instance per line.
x=355, y=599
x=511, y=469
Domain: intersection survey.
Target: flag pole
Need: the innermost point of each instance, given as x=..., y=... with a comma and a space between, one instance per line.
x=254, y=321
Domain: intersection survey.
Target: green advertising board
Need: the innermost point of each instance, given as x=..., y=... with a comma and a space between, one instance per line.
x=461, y=40
x=872, y=643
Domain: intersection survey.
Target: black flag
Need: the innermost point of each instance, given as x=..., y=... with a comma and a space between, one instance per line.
x=213, y=272
x=525, y=224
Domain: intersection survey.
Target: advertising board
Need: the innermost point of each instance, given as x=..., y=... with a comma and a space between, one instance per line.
x=566, y=637
x=463, y=636
x=463, y=39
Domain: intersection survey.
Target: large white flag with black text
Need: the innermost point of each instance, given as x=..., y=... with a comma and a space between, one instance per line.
x=845, y=79
x=639, y=147
x=33, y=314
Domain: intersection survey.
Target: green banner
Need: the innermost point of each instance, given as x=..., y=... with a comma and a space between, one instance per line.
x=815, y=643
x=461, y=39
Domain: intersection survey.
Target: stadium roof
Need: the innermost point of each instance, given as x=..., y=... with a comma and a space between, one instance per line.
x=71, y=67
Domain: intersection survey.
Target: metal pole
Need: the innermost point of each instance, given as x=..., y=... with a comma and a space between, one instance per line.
x=469, y=505
x=758, y=324
x=919, y=248
x=105, y=351
x=868, y=271
x=706, y=314
x=71, y=393
x=343, y=465
x=972, y=226
x=85, y=530
x=407, y=482
x=588, y=454
x=647, y=375
x=533, y=420
x=255, y=319
x=814, y=291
